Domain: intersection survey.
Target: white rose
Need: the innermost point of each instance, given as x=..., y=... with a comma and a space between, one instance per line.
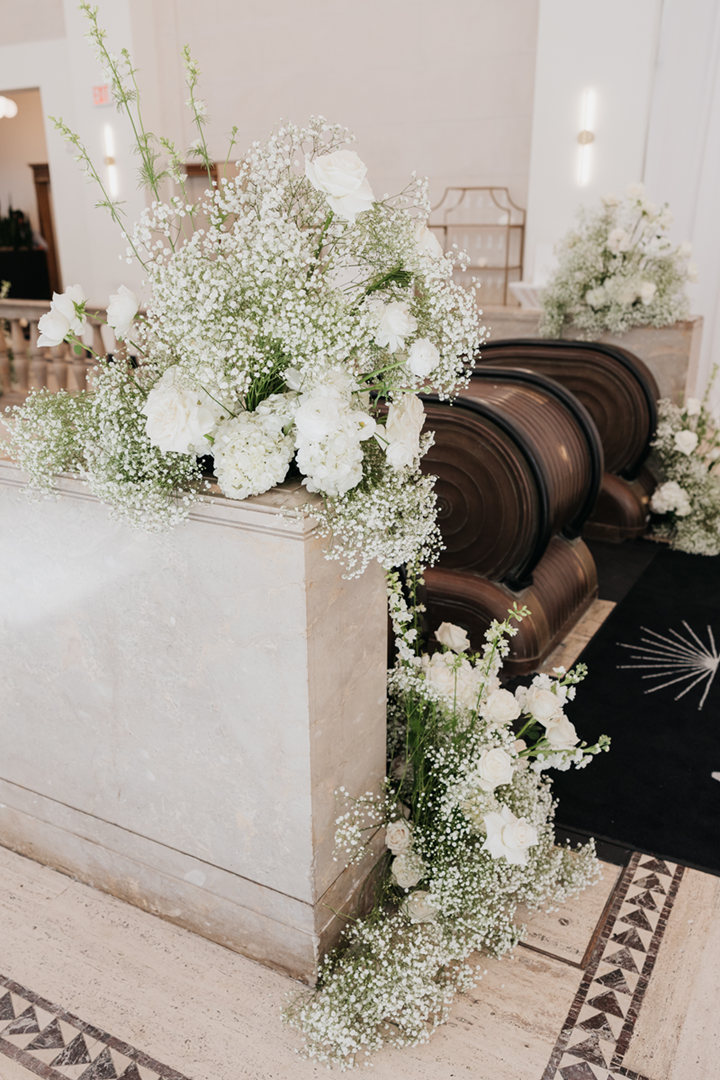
x=53, y=327
x=635, y=191
x=693, y=406
x=611, y=200
x=501, y=707
x=319, y=415
x=595, y=298
x=685, y=249
x=647, y=291
x=649, y=208
x=541, y=704
x=341, y=176
x=402, y=431
x=427, y=241
x=396, y=323
x=685, y=441
x=617, y=241
x=439, y=672
x=628, y=294
x=122, y=309
x=453, y=636
x=692, y=272
x=177, y=419
x=508, y=836
x=423, y=357
x=421, y=907
x=496, y=768
x=561, y=733
x=398, y=837
x=408, y=869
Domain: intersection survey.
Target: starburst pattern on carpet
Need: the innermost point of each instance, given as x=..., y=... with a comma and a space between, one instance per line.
x=683, y=658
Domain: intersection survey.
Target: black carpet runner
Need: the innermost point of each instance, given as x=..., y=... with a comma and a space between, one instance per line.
x=654, y=687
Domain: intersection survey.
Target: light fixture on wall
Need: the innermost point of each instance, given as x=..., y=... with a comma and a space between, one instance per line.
x=8, y=107
x=112, y=175
x=586, y=137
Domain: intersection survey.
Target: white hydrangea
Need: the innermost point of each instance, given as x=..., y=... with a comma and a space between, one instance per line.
x=252, y=452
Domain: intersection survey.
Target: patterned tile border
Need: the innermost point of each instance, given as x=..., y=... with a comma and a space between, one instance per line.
x=54, y=1044
x=596, y=1035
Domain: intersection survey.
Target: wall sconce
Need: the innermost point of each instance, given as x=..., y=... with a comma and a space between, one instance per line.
x=586, y=136
x=8, y=108
x=110, y=162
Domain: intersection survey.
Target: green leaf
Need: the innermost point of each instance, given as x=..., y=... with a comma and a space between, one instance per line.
x=77, y=349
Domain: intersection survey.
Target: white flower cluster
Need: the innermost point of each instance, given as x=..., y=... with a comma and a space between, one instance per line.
x=687, y=445
x=617, y=269
x=468, y=832
x=300, y=323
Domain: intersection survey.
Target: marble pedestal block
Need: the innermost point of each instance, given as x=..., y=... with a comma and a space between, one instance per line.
x=178, y=710
x=671, y=352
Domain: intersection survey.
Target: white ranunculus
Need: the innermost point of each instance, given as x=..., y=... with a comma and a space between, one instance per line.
x=408, y=869
x=396, y=324
x=495, y=768
x=561, y=733
x=398, y=837
x=453, y=636
x=693, y=406
x=423, y=357
x=685, y=249
x=541, y=704
x=685, y=441
x=402, y=431
x=427, y=241
x=501, y=707
x=649, y=208
x=53, y=327
x=177, y=419
x=617, y=241
x=122, y=309
x=420, y=907
x=319, y=415
x=341, y=176
x=509, y=836
x=636, y=190
x=611, y=200
x=647, y=291
x=692, y=272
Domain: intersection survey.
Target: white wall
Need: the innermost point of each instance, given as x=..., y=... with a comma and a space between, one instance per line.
x=609, y=48
x=22, y=144
x=683, y=154
x=442, y=88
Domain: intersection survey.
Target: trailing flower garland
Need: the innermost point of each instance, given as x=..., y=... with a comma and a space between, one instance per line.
x=617, y=269
x=467, y=820
x=294, y=330
x=687, y=445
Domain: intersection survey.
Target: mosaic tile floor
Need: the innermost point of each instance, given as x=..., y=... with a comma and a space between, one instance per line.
x=601, y=1021
x=52, y=1043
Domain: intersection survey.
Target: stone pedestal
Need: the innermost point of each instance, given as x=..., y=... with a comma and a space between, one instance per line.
x=177, y=711
x=671, y=352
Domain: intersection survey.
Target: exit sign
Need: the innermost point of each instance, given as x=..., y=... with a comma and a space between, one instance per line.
x=101, y=95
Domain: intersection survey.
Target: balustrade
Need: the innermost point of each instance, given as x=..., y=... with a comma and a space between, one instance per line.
x=25, y=366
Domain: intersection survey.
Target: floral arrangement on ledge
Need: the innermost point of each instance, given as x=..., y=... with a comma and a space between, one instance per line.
x=293, y=332
x=687, y=445
x=617, y=269
x=467, y=815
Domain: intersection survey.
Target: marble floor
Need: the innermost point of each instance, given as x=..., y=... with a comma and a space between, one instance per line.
x=622, y=982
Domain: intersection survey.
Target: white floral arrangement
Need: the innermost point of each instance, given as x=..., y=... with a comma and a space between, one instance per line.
x=617, y=269
x=687, y=446
x=293, y=331
x=467, y=819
